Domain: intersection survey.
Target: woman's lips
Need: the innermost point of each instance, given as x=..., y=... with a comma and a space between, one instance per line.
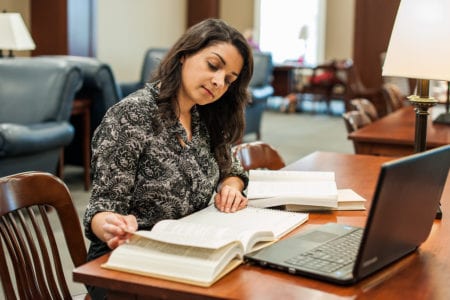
x=209, y=92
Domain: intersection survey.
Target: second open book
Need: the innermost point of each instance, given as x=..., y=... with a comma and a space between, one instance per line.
x=300, y=191
x=204, y=246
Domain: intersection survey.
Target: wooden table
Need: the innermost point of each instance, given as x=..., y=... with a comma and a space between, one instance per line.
x=422, y=275
x=393, y=135
x=284, y=78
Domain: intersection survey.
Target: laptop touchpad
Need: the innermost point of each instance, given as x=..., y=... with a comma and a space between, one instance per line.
x=317, y=236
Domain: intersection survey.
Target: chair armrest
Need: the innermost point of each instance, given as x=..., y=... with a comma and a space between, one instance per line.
x=261, y=92
x=18, y=139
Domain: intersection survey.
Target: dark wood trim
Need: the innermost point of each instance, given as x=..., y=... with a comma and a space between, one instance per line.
x=374, y=20
x=63, y=27
x=49, y=26
x=198, y=10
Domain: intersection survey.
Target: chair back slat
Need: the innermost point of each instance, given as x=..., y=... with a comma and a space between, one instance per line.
x=7, y=245
x=61, y=281
x=33, y=267
x=9, y=232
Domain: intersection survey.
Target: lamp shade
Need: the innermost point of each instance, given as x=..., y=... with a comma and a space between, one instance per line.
x=13, y=33
x=419, y=46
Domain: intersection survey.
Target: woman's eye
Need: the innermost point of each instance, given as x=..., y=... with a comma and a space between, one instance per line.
x=212, y=66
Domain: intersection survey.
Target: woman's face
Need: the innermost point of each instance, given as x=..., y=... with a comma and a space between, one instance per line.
x=207, y=74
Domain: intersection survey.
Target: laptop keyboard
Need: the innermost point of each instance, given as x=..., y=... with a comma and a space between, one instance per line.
x=332, y=255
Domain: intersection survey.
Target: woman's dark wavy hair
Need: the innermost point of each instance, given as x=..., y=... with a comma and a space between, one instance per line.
x=224, y=118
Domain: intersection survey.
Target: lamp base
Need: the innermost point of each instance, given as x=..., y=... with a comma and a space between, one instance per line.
x=443, y=118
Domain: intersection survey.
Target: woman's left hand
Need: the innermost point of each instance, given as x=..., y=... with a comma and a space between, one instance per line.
x=229, y=199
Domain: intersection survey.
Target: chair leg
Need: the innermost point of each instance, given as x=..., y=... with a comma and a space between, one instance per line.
x=60, y=167
x=86, y=148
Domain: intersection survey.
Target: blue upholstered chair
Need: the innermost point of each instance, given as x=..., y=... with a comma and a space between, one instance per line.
x=152, y=58
x=101, y=91
x=36, y=97
x=260, y=89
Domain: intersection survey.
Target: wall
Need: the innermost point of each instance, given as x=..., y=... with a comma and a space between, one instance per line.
x=127, y=28
x=340, y=18
x=238, y=13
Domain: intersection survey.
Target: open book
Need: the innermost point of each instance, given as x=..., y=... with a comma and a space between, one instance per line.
x=267, y=188
x=201, y=248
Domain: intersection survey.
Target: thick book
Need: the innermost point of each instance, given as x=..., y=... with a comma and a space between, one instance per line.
x=268, y=188
x=347, y=200
x=201, y=248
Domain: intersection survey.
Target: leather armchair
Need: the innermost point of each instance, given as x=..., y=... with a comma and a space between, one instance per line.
x=260, y=89
x=36, y=97
x=100, y=87
x=152, y=58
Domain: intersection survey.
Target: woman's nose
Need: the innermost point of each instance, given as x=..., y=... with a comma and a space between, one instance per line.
x=219, y=80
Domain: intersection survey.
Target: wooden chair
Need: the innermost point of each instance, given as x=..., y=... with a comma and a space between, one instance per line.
x=30, y=260
x=366, y=106
x=393, y=97
x=355, y=120
x=258, y=155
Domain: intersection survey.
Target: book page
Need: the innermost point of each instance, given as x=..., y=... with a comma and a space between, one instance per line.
x=280, y=175
x=190, y=234
x=246, y=222
x=269, y=188
x=311, y=189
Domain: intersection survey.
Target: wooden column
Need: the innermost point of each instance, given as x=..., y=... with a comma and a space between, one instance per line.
x=198, y=10
x=374, y=20
x=63, y=27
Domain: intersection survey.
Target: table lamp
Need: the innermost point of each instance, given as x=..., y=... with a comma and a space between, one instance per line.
x=419, y=48
x=14, y=34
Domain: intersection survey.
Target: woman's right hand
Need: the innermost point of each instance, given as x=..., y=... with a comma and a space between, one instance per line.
x=112, y=228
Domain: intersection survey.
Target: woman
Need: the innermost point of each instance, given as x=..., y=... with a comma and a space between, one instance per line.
x=163, y=151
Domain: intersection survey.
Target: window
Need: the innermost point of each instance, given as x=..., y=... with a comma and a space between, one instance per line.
x=291, y=29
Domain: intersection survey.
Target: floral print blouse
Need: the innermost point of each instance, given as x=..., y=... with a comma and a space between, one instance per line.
x=141, y=168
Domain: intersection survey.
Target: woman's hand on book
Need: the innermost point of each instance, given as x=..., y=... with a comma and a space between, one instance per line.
x=229, y=199
x=112, y=228
x=118, y=229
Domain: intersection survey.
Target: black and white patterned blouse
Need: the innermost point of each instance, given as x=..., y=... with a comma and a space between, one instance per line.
x=147, y=172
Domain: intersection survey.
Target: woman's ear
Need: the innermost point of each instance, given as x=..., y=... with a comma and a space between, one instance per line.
x=182, y=58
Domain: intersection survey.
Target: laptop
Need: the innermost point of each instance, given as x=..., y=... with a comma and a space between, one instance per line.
x=403, y=209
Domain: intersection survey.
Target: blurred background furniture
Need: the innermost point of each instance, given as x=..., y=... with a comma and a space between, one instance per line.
x=354, y=120
x=98, y=93
x=36, y=99
x=322, y=83
x=260, y=90
x=337, y=79
x=393, y=97
x=364, y=105
x=30, y=255
x=394, y=135
x=152, y=58
x=258, y=155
